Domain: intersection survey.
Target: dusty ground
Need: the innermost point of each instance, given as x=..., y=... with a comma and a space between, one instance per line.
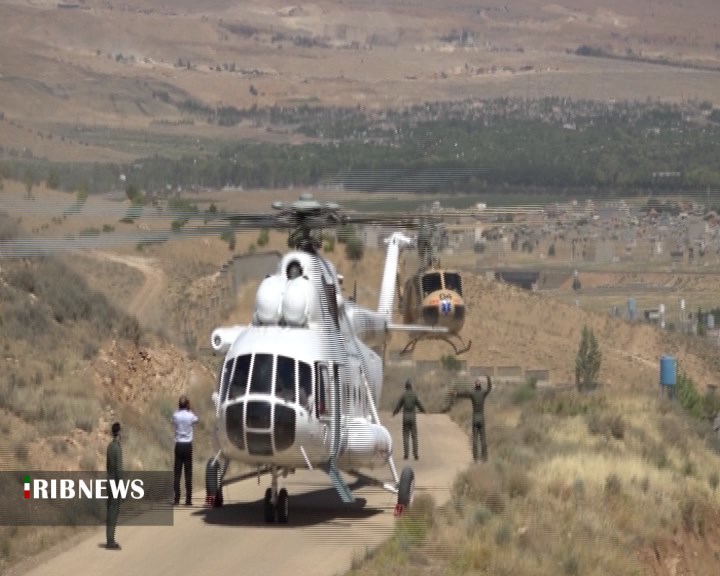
x=222, y=540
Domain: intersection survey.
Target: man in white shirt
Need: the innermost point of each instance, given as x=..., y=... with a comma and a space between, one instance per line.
x=183, y=419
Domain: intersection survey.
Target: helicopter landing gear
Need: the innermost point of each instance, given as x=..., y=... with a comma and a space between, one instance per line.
x=406, y=490
x=276, y=504
x=455, y=340
x=214, y=474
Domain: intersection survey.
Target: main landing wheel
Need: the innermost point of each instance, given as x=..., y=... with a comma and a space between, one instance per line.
x=213, y=484
x=283, y=507
x=268, y=507
x=406, y=490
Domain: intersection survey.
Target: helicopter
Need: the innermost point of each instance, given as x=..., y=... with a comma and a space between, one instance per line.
x=300, y=384
x=432, y=296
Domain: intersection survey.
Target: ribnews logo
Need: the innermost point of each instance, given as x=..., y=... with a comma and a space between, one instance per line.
x=68, y=488
x=82, y=498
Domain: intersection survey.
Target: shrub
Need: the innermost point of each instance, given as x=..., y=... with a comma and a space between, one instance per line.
x=130, y=329
x=714, y=480
x=503, y=535
x=450, y=363
x=613, y=485
x=524, y=393
x=617, y=427
x=354, y=249
x=518, y=483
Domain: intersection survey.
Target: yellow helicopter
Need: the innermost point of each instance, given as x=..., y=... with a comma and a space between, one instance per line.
x=432, y=296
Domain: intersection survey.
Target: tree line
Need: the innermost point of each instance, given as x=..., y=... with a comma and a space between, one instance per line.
x=592, y=151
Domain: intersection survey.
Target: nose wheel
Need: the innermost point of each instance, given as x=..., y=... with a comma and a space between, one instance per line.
x=214, y=474
x=276, y=504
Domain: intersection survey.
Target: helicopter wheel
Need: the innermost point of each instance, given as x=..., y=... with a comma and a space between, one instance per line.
x=406, y=490
x=283, y=508
x=213, y=484
x=268, y=507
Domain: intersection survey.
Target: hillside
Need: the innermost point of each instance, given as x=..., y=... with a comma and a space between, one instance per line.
x=116, y=81
x=619, y=456
x=72, y=363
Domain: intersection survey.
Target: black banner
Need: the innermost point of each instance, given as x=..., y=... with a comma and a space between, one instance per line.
x=41, y=498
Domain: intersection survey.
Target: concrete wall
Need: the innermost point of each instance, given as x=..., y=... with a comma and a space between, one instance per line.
x=481, y=371
x=509, y=372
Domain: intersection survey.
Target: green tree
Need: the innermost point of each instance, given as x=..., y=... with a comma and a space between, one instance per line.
x=263, y=237
x=82, y=195
x=228, y=236
x=29, y=182
x=345, y=232
x=53, y=180
x=450, y=363
x=587, y=361
x=132, y=193
x=354, y=249
x=701, y=326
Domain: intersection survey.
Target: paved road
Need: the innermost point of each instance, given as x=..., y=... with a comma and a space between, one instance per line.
x=320, y=539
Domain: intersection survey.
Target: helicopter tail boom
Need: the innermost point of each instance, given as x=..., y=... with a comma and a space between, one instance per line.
x=389, y=281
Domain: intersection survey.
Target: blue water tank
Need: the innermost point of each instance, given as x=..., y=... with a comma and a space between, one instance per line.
x=711, y=321
x=631, y=308
x=668, y=371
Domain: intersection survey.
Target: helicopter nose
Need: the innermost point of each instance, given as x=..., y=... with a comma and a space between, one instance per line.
x=260, y=427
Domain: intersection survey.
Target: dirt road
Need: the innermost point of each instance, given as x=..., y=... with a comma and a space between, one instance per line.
x=320, y=540
x=144, y=304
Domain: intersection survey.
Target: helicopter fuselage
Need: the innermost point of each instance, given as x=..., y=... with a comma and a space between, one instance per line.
x=304, y=368
x=440, y=307
x=276, y=397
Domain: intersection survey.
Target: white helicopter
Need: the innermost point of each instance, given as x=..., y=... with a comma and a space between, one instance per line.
x=300, y=384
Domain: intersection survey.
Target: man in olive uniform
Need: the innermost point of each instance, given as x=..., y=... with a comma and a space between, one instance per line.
x=409, y=402
x=477, y=396
x=114, y=472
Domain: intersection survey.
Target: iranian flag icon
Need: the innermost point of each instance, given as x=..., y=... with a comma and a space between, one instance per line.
x=27, y=487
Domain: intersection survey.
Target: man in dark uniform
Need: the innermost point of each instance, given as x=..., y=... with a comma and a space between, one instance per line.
x=477, y=396
x=409, y=402
x=114, y=472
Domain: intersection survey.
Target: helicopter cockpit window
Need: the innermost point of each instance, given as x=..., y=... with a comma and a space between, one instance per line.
x=261, y=380
x=305, y=373
x=430, y=283
x=285, y=378
x=453, y=282
x=238, y=376
x=294, y=270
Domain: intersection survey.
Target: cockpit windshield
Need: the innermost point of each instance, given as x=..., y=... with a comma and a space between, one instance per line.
x=238, y=370
x=430, y=283
x=285, y=379
x=453, y=282
x=292, y=378
x=262, y=374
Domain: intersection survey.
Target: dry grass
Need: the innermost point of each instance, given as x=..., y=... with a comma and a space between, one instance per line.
x=566, y=493
x=55, y=407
